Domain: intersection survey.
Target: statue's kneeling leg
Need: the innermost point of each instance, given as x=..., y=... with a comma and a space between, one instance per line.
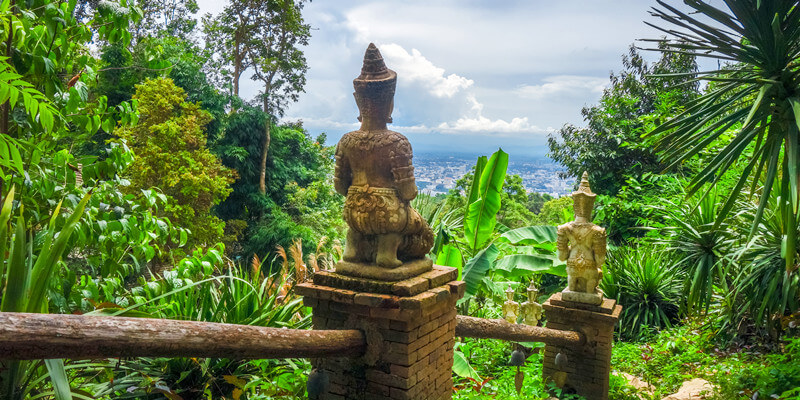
x=387, y=250
x=351, y=245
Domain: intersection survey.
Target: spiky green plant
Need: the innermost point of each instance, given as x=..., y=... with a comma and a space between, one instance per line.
x=700, y=248
x=768, y=291
x=643, y=281
x=29, y=268
x=757, y=89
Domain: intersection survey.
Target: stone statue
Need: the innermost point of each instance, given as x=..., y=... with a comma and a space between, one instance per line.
x=531, y=310
x=387, y=239
x=510, y=307
x=583, y=245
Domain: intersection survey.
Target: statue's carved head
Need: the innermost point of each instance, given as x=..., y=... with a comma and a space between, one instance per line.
x=375, y=89
x=583, y=199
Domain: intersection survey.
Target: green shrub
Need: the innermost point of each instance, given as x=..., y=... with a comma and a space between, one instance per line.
x=169, y=144
x=648, y=289
x=776, y=376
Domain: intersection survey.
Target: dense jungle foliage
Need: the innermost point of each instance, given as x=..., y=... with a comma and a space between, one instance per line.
x=135, y=181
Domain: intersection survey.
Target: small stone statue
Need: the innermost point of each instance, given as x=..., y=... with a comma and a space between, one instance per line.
x=531, y=310
x=374, y=172
x=583, y=245
x=510, y=307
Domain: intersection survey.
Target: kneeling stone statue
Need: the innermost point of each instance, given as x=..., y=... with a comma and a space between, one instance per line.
x=387, y=239
x=583, y=245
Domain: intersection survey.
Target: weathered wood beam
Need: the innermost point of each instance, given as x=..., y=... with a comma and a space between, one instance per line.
x=501, y=329
x=38, y=336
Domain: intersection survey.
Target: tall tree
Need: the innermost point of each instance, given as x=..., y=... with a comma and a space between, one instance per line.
x=173, y=18
x=262, y=36
x=609, y=147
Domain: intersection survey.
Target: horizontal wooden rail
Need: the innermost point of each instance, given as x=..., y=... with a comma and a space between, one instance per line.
x=500, y=329
x=38, y=336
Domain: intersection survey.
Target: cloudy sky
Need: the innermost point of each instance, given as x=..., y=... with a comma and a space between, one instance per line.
x=473, y=75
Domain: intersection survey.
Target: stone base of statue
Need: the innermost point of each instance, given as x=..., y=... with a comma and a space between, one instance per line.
x=595, y=298
x=409, y=327
x=371, y=271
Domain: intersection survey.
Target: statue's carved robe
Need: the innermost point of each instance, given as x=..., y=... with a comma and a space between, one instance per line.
x=374, y=172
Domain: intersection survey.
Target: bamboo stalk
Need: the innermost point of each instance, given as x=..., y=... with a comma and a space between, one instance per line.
x=26, y=336
x=500, y=329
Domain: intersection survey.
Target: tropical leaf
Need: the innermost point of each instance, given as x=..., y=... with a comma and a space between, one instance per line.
x=450, y=256
x=58, y=376
x=517, y=265
x=462, y=367
x=481, y=219
x=477, y=267
x=50, y=255
x=530, y=235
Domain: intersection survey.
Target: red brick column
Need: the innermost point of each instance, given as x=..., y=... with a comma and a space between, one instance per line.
x=582, y=370
x=410, y=330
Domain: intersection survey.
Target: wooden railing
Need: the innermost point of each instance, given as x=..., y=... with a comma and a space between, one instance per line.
x=40, y=336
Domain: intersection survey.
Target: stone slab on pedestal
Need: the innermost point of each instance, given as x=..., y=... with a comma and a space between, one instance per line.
x=581, y=370
x=594, y=299
x=375, y=272
x=437, y=276
x=410, y=331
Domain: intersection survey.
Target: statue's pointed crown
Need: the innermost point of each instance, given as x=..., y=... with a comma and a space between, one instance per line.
x=584, y=188
x=374, y=69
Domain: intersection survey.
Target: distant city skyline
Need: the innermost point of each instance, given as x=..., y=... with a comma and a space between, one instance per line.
x=473, y=75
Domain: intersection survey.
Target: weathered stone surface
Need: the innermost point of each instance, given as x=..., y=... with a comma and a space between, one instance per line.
x=371, y=271
x=410, y=340
x=582, y=245
x=374, y=172
x=531, y=310
x=438, y=276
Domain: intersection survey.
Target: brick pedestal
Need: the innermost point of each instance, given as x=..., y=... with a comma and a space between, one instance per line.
x=410, y=330
x=582, y=370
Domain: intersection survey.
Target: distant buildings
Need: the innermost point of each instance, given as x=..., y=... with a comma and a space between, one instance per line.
x=438, y=173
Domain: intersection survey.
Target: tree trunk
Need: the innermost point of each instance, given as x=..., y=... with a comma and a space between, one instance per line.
x=262, y=183
x=237, y=63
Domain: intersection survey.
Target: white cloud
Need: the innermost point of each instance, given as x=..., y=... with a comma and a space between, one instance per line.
x=477, y=123
x=562, y=86
x=415, y=68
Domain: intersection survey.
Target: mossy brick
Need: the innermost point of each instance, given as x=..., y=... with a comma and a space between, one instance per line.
x=310, y=289
x=390, y=379
x=458, y=288
x=442, y=293
x=399, y=394
x=352, y=309
x=310, y=301
x=377, y=388
x=440, y=275
x=410, y=287
x=420, y=301
x=332, y=279
x=377, y=300
x=403, y=326
x=399, y=336
x=404, y=359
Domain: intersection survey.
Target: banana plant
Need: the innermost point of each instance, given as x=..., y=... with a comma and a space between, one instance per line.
x=25, y=287
x=477, y=254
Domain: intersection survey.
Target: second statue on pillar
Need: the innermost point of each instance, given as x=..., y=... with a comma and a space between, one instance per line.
x=582, y=245
x=387, y=239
